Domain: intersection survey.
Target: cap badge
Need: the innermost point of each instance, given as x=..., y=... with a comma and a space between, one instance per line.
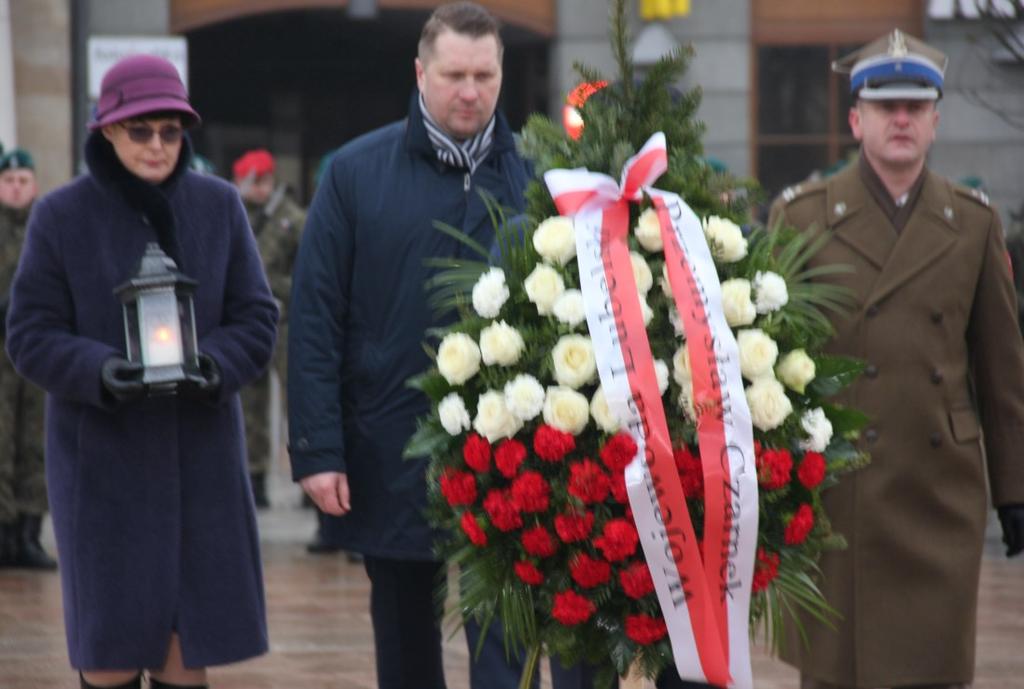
x=897, y=44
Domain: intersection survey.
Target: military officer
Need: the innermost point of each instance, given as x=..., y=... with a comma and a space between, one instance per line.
x=934, y=322
x=277, y=222
x=22, y=474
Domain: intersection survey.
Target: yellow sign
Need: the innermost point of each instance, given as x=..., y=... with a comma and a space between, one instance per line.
x=663, y=9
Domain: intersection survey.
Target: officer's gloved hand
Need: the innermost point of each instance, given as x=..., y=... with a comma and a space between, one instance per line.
x=206, y=384
x=1012, y=518
x=123, y=379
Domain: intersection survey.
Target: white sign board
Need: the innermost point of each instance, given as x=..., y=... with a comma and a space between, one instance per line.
x=104, y=51
x=972, y=9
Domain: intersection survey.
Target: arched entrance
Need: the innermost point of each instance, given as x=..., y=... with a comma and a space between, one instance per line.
x=303, y=82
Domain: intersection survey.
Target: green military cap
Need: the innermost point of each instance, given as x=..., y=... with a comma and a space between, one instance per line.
x=17, y=159
x=894, y=67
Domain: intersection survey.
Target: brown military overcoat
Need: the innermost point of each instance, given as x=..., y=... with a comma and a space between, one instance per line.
x=935, y=323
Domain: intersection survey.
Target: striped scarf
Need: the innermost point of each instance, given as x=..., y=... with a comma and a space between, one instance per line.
x=466, y=155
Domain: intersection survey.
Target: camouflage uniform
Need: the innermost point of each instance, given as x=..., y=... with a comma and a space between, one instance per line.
x=277, y=226
x=22, y=473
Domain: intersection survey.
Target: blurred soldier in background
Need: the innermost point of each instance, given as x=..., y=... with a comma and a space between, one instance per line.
x=22, y=478
x=277, y=222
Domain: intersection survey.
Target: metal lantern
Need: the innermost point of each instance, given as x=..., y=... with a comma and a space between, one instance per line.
x=159, y=321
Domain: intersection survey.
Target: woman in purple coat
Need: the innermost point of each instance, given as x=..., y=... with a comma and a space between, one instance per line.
x=154, y=518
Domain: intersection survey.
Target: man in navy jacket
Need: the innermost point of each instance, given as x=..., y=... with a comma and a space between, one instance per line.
x=359, y=317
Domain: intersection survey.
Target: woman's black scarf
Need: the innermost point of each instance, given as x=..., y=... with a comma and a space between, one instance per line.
x=150, y=200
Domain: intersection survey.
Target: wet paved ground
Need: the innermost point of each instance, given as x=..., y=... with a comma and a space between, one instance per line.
x=320, y=625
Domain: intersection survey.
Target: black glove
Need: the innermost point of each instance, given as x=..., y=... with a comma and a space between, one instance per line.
x=1012, y=518
x=123, y=379
x=205, y=384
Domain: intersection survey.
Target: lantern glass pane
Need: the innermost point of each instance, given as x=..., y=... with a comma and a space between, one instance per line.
x=161, y=331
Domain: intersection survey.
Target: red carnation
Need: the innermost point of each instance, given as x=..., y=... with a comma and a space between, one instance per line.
x=644, y=629
x=528, y=573
x=588, y=482
x=508, y=456
x=800, y=524
x=618, y=487
x=574, y=527
x=471, y=527
x=774, y=468
x=530, y=492
x=477, y=453
x=458, y=487
x=551, y=444
x=618, y=452
x=812, y=470
x=766, y=568
x=537, y=541
x=636, y=580
x=502, y=510
x=589, y=571
x=571, y=608
x=618, y=540
x=691, y=472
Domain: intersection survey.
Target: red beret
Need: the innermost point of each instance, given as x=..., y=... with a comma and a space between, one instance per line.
x=258, y=162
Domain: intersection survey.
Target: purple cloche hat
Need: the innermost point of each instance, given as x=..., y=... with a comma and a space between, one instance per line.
x=140, y=84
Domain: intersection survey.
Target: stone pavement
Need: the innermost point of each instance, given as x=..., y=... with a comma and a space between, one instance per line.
x=320, y=625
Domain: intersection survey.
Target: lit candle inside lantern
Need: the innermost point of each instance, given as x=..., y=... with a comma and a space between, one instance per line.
x=161, y=331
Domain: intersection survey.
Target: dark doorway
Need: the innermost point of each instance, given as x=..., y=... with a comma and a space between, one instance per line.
x=303, y=83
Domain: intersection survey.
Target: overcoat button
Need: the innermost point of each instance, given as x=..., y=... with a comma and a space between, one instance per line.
x=935, y=440
x=936, y=376
x=871, y=371
x=303, y=444
x=936, y=317
x=872, y=311
x=871, y=435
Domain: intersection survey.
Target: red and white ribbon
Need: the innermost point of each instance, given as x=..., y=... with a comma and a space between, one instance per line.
x=705, y=601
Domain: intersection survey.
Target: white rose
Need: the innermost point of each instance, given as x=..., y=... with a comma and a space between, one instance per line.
x=648, y=230
x=676, y=320
x=686, y=400
x=489, y=293
x=796, y=370
x=663, y=282
x=493, y=419
x=602, y=414
x=725, y=238
x=661, y=371
x=641, y=273
x=646, y=312
x=566, y=410
x=819, y=430
x=758, y=353
x=524, y=396
x=453, y=414
x=543, y=287
x=769, y=405
x=568, y=308
x=736, y=304
x=458, y=358
x=555, y=240
x=770, y=292
x=681, y=366
x=574, y=360
x=501, y=344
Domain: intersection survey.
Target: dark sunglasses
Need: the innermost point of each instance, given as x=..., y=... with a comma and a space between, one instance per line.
x=143, y=133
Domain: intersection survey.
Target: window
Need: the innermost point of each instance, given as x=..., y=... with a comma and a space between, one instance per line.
x=801, y=113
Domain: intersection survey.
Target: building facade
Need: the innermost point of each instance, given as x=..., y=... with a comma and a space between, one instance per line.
x=301, y=77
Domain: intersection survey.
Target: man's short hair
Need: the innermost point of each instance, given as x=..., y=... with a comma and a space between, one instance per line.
x=466, y=18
